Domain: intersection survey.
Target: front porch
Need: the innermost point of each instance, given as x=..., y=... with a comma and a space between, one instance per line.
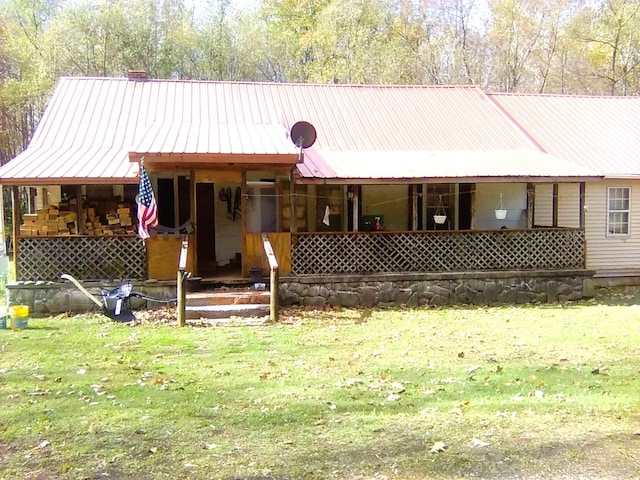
x=331, y=253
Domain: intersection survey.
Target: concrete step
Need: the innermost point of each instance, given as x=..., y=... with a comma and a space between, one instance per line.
x=226, y=311
x=228, y=297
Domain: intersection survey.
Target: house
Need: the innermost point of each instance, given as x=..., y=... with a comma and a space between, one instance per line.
x=409, y=195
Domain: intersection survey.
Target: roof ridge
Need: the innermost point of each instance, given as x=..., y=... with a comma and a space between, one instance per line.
x=560, y=95
x=287, y=84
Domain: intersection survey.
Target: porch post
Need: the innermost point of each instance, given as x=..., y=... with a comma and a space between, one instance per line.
x=531, y=202
x=554, y=221
x=356, y=213
x=293, y=226
x=81, y=223
x=312, y=205
x=193, y=215
x=414, y=207
x=244, y=216
x=17, y=220
x=582, y=201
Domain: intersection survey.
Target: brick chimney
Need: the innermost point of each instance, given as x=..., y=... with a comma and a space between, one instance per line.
x=137, y=75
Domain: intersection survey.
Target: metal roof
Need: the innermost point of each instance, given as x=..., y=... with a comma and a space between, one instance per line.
x=92, y=128
x=440, y=165
x=599, y=133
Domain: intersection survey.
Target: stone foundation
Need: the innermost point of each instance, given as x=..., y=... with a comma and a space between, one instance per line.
x=51, y=298
x=388, y=290
x=472, y=288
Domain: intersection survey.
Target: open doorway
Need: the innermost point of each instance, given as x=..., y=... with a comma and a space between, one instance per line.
x=205, y=221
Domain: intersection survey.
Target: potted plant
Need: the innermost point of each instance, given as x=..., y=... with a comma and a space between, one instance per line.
x=501, y=212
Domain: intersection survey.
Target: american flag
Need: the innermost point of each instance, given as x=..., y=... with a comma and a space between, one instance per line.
x=147, y=208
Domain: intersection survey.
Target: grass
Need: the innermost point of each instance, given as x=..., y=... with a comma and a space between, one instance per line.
x=528, y=392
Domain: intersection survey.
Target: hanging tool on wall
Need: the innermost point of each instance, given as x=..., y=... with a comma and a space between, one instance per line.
x=225, y=196
x=237, y=204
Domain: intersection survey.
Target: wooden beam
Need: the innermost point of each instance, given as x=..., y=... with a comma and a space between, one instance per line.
x=243, y=223
x=214, y=159
x=274, y=279
x=413, y=189
x=16, y=216
x=82, y=228
x=293, y=222
x=554, y=221
x=356, y=210
x=531, y=204
x=581, y=214
x=192, y=214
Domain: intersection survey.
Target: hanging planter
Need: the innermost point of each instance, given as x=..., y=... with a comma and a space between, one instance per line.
x=501, y=212
x=440, y=216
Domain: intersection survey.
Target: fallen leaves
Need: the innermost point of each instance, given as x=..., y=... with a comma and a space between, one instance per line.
x=479, y=443
x=438, y=447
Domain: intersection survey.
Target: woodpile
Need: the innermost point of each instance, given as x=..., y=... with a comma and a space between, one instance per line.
x=106, y=218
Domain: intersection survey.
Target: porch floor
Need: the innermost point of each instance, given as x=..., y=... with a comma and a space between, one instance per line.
x=225, y=275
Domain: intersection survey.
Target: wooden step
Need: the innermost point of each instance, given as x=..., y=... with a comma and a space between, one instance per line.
x=226, y=311
x=228, y=297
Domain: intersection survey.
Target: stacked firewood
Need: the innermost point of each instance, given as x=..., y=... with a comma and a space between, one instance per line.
x=105, y=219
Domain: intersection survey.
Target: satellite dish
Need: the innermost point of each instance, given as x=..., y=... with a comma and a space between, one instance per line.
x=303, y=134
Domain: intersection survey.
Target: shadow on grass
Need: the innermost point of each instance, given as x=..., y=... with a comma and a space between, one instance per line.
x=409, y=457
x=617, y=296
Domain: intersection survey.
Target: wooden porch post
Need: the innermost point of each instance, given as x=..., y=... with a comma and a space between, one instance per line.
x=243, y=230
x=293, y=227
x=193, y=207
x=414, y=207
x=531, y=202
x=582, y=205
x=554, y=221
x=16, y=215
x=356, y=213
x=312, y=205
x=79, y=200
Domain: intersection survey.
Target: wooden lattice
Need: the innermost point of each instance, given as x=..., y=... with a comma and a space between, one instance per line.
x=382, y=252
x=86, y=258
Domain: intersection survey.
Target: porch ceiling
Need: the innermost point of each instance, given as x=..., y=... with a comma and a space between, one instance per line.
x=407, y=165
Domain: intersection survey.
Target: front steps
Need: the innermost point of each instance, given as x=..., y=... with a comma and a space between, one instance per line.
x=229, y=306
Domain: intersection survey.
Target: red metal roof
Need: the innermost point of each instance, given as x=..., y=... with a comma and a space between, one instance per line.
x=599, y=133
x=442, y=165
x=92, y=125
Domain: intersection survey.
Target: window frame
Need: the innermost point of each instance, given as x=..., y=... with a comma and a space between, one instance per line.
x=612, y=226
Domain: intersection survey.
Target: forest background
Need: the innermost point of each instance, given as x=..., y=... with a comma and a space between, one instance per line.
x=533, y=46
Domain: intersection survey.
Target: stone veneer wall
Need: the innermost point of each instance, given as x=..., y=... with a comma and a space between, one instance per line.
x=52, y=298
x=388, y=290
x=468, y=288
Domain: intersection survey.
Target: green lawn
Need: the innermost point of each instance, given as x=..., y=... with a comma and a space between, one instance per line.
x=527, y=392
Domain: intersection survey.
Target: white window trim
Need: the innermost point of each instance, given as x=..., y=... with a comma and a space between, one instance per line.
x=628, y=211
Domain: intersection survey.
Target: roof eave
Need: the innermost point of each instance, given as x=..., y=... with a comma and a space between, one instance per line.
x=421, y=180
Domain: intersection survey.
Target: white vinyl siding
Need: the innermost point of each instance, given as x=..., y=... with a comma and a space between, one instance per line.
x=543, y=206
x=568, y=205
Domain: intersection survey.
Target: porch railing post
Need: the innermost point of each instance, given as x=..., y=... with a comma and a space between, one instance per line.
x=274, y=278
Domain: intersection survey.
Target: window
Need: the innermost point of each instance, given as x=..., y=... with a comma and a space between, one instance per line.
x=618, y=204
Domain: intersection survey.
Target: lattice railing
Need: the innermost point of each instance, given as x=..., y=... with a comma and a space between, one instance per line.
x=382, y=252
x=86, y=258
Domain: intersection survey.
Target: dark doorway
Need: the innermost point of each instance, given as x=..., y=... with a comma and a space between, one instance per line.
x=165, y=201
x=205, y=228
x=465, y=202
